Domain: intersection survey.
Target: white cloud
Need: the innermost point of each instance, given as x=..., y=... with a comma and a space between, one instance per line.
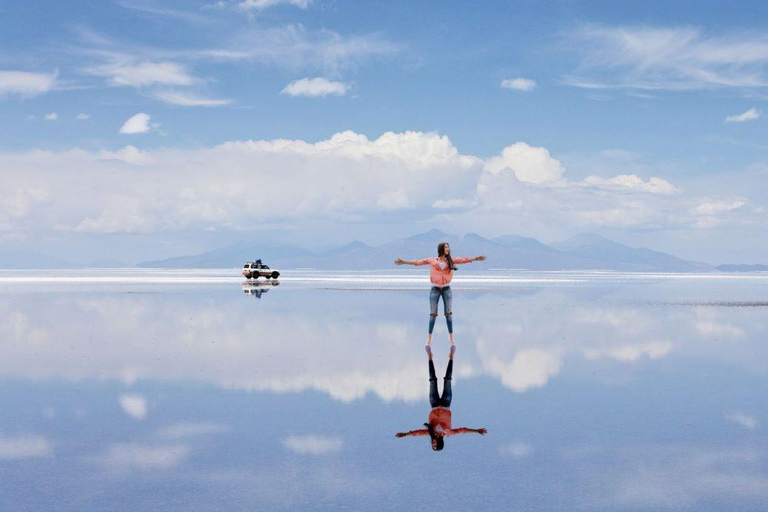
x=25, y=84
x=134, y=406
x=749, y=115
x=634, y=183
x=24, y=447
x=530, y=164
x=188, y=99
x=315, y=87
x=744, y=420
x=668, y=58
x=708, y=213
x=134, y=456
x=127, y=71
x=148, y=70
x=397, y=174
x=263, y=4
x=53, y=116
x=139, y=123
x=719, y=207
x=392, y=172
x=519, y=84
x=312, y=444
x=518, y=450
x=83, y=117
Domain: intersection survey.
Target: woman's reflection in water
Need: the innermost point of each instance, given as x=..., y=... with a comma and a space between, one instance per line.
x=439, y=426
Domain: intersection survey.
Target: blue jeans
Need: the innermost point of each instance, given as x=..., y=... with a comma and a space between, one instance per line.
x=434, y=297
x=435, y=400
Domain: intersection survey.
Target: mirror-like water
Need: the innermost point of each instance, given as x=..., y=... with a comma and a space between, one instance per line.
x=168, y=390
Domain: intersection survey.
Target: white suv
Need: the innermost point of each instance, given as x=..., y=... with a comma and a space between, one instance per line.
x=256, y=269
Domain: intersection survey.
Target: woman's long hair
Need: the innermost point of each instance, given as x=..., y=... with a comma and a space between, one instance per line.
x=433, y=436
x=448, y=259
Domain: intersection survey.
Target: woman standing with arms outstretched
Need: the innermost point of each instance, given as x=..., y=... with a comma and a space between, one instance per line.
x=440, y=274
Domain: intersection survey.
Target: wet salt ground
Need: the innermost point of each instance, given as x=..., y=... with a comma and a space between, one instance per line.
x=125, y=390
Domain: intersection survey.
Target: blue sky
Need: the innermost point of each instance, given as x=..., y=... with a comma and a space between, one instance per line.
x=641, y=122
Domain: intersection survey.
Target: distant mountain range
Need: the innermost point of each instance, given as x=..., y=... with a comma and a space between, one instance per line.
x=585, y=251
x=21, y=259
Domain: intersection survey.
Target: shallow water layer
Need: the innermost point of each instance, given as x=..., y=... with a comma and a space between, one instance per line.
x=196, y=390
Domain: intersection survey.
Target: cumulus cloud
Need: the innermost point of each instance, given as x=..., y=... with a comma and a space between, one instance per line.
x=24, y=447
x=519, y=84
x=83, y=117
x=53, y=116
x=312, y=444
x=530, y=164
x=414, y=173
x=718, y=207
x=315, y=87
x=263, y=4
x=749, y=115
x=134, y=406
x=138, y=123
x=392, y=173
x=25, y=84
x=668, y=58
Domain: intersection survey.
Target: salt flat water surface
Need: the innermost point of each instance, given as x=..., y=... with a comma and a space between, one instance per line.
x=198, y=390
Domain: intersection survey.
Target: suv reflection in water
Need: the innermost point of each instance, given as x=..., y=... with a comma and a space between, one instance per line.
x=258, y=289
x=439, y=425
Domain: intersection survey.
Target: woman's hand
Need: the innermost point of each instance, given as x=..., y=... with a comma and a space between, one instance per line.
x=479, y=258
x=400, y=434
x=399, y=261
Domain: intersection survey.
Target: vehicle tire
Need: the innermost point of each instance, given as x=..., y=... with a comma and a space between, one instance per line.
x=275, y=274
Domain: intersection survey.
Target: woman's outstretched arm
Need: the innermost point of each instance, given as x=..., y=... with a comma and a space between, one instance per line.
x=464, y=430
x=400, y=261
x=420, y=432
x=460, y=261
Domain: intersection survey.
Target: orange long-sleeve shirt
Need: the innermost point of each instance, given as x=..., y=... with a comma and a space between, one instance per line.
x=439, y=273
x=442, y=417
